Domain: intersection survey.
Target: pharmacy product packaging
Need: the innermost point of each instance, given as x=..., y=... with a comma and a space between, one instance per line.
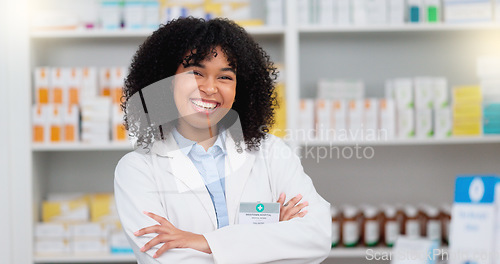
x=326, y=12
x=88, y=230
x=322, y=119
x=359, y=12
x=491, y=118
x=415, y=10
x=355, y=119
x=40, y=123
x=105, y=81
x=397, y=14
x=151, y=14
x=304, y=16
x=339, y=117
x=274, y=12
x=58, y=88
x=65, y=209
x=432, y=11
x=424, y=123
x=405, y=122
x=89, y=246
x=343, y=12
x=370, y=118
x=306, y=120
x=118, y=131
x=409, y=250
x=118, y=243
x=96, y=119
x=387, y=120
x=52, y=246
x=52, y=230
x=133, y=14
x=74, y=82
x=42, y=84
x=424, y=91
x=475, y=228
x=89, y=82
x=376, y=12
x=440, y=93
x=117, y=82
x=103, y=209
x=403, y=93
x=442, y=122
x=466, y=11
x=110, y=14
x=71, y=123
x=56, y=123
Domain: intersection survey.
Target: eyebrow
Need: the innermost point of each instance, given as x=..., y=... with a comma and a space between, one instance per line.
x=203, y=67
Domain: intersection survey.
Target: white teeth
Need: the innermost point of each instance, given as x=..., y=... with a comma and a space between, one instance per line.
x=205, y=105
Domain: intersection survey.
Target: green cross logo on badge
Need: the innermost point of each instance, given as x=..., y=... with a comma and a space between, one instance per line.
x=259, y=207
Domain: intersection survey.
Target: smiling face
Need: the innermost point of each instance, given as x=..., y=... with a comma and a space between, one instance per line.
x=204, y=92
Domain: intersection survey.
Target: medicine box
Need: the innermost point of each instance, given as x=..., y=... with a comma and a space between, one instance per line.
x=440, y=93
x=105, y=81
x=119, y=244
x=339, y=117
x=387, y=119
x=474, y=222
x=370, y=119
x=423, y=123
x=405, y=122
x=54, y=246
x=119, y=133
x=322, y=119
x=424, y=91
x=403, y=92
x=306, y=119
x=55, y=122
x=442, y=122
x=432, y=11
x=344, y=12
x=415, y=10
x=64, y=208
x=397, y=14
x=326, y=12
x=42, y=84
x=103, y=209
x=74, y=82
x=51, y=230
x=58, y=85
x=40, y=115
x=355, y=119
x=117, y=82
x=466, y=11
x=89, y=246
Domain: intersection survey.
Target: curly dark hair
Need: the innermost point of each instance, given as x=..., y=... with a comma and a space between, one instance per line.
x=162, y=53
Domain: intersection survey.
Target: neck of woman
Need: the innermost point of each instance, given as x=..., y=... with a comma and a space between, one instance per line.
x=205, y=137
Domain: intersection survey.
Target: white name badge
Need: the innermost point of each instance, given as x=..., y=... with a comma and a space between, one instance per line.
x=259, y=213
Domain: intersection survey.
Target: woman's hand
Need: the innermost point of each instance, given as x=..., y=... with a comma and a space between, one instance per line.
x=291, y=209
x=172, y=237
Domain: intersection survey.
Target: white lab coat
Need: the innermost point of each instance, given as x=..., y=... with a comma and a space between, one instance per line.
x=165, y=182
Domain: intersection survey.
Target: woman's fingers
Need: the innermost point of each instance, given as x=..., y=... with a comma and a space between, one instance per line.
x=294, y=210
x=164, y=248
x=293, y=201
x=301, y=214
x=153, y=242
x=159, y=219
x=282, y=198
x=150, y=229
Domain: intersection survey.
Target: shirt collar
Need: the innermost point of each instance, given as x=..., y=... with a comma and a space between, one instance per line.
x=186, y=145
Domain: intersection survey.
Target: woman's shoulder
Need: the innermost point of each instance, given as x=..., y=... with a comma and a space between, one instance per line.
x=272, y=144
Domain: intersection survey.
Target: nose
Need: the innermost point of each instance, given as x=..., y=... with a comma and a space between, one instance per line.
x=208, y=87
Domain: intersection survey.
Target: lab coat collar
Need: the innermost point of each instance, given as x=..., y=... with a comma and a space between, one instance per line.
x=238, y=166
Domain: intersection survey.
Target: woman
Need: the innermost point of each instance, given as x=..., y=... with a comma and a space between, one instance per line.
x=199, y=98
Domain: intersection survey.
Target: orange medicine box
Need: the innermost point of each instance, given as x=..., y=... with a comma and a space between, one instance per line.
x=89, y=82
x=42, y=84
x=117, y=82
x=71, y=122
x=119, y=133
x=55, y=118
x=74, y=83
x=39, y=123
x=58, y=87
x=105, y=81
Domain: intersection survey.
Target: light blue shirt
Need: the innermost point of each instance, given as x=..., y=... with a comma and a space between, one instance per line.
x=210, y=165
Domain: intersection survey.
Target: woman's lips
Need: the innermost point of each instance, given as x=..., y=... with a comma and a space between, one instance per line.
x=204, y=106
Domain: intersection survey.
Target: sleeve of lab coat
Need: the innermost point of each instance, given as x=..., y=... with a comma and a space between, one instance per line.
x=136, y=191
x=300, y=240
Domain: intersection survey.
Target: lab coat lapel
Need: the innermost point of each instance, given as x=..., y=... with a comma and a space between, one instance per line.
x=237, y=169
x=184, y=170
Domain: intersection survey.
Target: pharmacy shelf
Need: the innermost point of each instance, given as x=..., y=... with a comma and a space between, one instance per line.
x=399, y=28
x=139, y=33
x=90, y=258
x=41, y=147
x=402, y=142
